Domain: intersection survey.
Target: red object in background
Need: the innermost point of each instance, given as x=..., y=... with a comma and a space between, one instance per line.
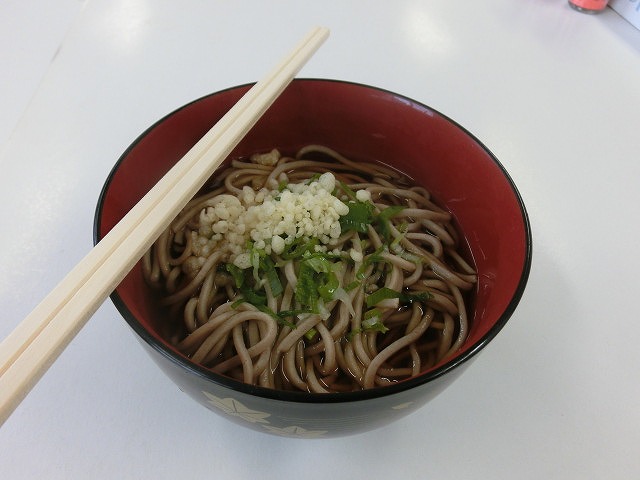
x=589, y=6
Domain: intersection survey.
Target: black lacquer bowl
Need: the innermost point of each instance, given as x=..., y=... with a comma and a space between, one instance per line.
x=364, y=123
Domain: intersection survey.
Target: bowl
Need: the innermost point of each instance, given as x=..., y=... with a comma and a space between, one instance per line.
x=364, y=123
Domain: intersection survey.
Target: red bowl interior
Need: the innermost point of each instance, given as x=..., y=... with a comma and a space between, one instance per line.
x=363, y=123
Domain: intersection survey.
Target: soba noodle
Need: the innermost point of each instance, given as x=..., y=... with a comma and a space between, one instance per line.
x=370, y=294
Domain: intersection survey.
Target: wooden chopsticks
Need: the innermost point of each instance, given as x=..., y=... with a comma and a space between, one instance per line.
x=27, y=353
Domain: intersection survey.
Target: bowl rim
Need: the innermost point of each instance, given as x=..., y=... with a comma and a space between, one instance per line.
x=334, y=397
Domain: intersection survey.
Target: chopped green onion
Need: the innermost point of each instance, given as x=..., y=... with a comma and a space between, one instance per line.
x=319, y=263
x=342, y=295
x=281, y=318
x=408, y=297
x=346, y=189
x=375, y=257
x=381, y=294
x=352, y=285
x=298, y=248
x=390, y=212
x=282, y=185
x=328, y=289
x=238, y=302
x=385, y=293
x=276, y=316
x=411, y=257
x=240, y=278
x=311, y=334
x=306, y=287
x=236, y=273
x=359, y=218
x=312, y=178
x=253, y=297
x=269, y=269
x=372, y=321
x=254, y=259
x=395, y=246
x=383, y=220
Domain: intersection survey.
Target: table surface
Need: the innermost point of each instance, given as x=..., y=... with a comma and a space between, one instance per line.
x=554, y=93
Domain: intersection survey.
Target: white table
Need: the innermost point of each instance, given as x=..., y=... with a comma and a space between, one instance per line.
x=552, y=92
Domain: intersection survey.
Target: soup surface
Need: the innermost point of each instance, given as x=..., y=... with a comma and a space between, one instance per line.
x=313, y=272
